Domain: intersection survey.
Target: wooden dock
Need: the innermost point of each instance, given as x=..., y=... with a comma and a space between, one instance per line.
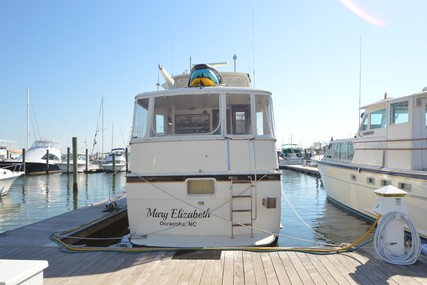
x=159, y=267
x=313, y=171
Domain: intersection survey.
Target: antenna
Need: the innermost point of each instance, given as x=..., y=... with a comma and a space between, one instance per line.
x=360, y=77
x=253, y=45
x=234, y=58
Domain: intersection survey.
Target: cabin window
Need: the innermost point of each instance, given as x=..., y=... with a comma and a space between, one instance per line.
x=51, y=157
x=140, y=118
x=264, y=115
x=337, y=151
x=399, y=113
x=186, y=114
x=239, y=105
x=378, y=119
x=371, y=180
x=404, y=186
x=365, y=124
x=426, y=115
x=350, y=150
x=200, y=186
x=385, y=182
x=353, y=177
x=330, y=150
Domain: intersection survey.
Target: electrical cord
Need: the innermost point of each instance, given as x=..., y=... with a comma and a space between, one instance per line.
x=411, y=256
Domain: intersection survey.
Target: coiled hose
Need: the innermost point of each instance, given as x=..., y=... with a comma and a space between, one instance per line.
x=411, y=256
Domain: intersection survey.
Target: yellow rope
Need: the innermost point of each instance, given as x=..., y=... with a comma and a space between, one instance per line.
x=151, y=249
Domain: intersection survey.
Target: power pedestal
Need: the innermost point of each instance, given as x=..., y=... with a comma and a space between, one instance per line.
x=391, y=202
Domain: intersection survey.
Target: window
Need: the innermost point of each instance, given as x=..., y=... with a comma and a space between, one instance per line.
x=350, y=150
x=140, y=118
x=404, y=186
x=337, y=151
x=399, y=113
x=378, y=119
x=186, y=114
x=330, y=150
x=426, y=115
x=370, y=180
x=200, y=186
x=364, y=125
x=264, y=115
x=239, y=104
x=385, y=182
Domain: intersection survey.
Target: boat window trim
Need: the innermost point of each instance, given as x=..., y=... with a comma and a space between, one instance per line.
x=394, y=108
x=383, y=123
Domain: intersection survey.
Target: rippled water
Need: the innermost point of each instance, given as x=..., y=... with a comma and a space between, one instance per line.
x=35, y=198
x=305, y=210
x=304, y=205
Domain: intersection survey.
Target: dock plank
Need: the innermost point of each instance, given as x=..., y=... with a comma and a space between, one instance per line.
x=323, y=273
x=238, y=274
x=269, y=268
x=228, y=267
x=196, y=276
x=248, y=268
x=260, y=276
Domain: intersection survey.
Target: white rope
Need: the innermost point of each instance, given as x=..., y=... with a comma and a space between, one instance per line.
x=411, y=256
x=304, y=222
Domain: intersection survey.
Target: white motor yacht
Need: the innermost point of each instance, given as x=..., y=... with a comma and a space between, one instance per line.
x=7, y=177
x=115, y=161
x=43, y=157
x=203, y=169
x=390, y=148
x=290, y=154
x=68, y=167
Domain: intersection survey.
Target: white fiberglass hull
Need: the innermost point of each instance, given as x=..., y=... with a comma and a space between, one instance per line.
x=64, y=167
x=7, y=178
x=354, y=188
x=118, y=167
x=163, y=214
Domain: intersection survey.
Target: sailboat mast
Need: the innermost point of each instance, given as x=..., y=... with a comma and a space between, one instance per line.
x=102, y=108
x=360, y=78
x=28, y=116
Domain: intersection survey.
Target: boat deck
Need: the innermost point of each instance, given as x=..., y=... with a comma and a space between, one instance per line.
x=160, y=267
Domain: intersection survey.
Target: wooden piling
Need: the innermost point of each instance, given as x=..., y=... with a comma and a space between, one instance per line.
x=68, y=160
x=75, y=187
x=24, y=165
x=87, y=161
x=47, y=161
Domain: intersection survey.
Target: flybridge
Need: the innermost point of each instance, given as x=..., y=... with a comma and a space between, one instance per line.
x=205, y=75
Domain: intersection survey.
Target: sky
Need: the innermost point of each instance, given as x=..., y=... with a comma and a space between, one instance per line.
x=320, y=59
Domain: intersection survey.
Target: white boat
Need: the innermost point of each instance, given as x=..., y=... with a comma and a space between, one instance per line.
x=66, y=167
x=43, y=157
x=390, y=148
x=115, y=161
x=203, y=169
x=7, y=177
x=290, y=154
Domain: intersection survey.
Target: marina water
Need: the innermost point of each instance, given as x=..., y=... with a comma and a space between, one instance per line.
x=308, y=218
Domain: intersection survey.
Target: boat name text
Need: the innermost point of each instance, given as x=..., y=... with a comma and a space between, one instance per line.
x=178, y=214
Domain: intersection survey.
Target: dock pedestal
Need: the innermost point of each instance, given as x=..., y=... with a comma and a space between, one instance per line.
x=22, y=271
